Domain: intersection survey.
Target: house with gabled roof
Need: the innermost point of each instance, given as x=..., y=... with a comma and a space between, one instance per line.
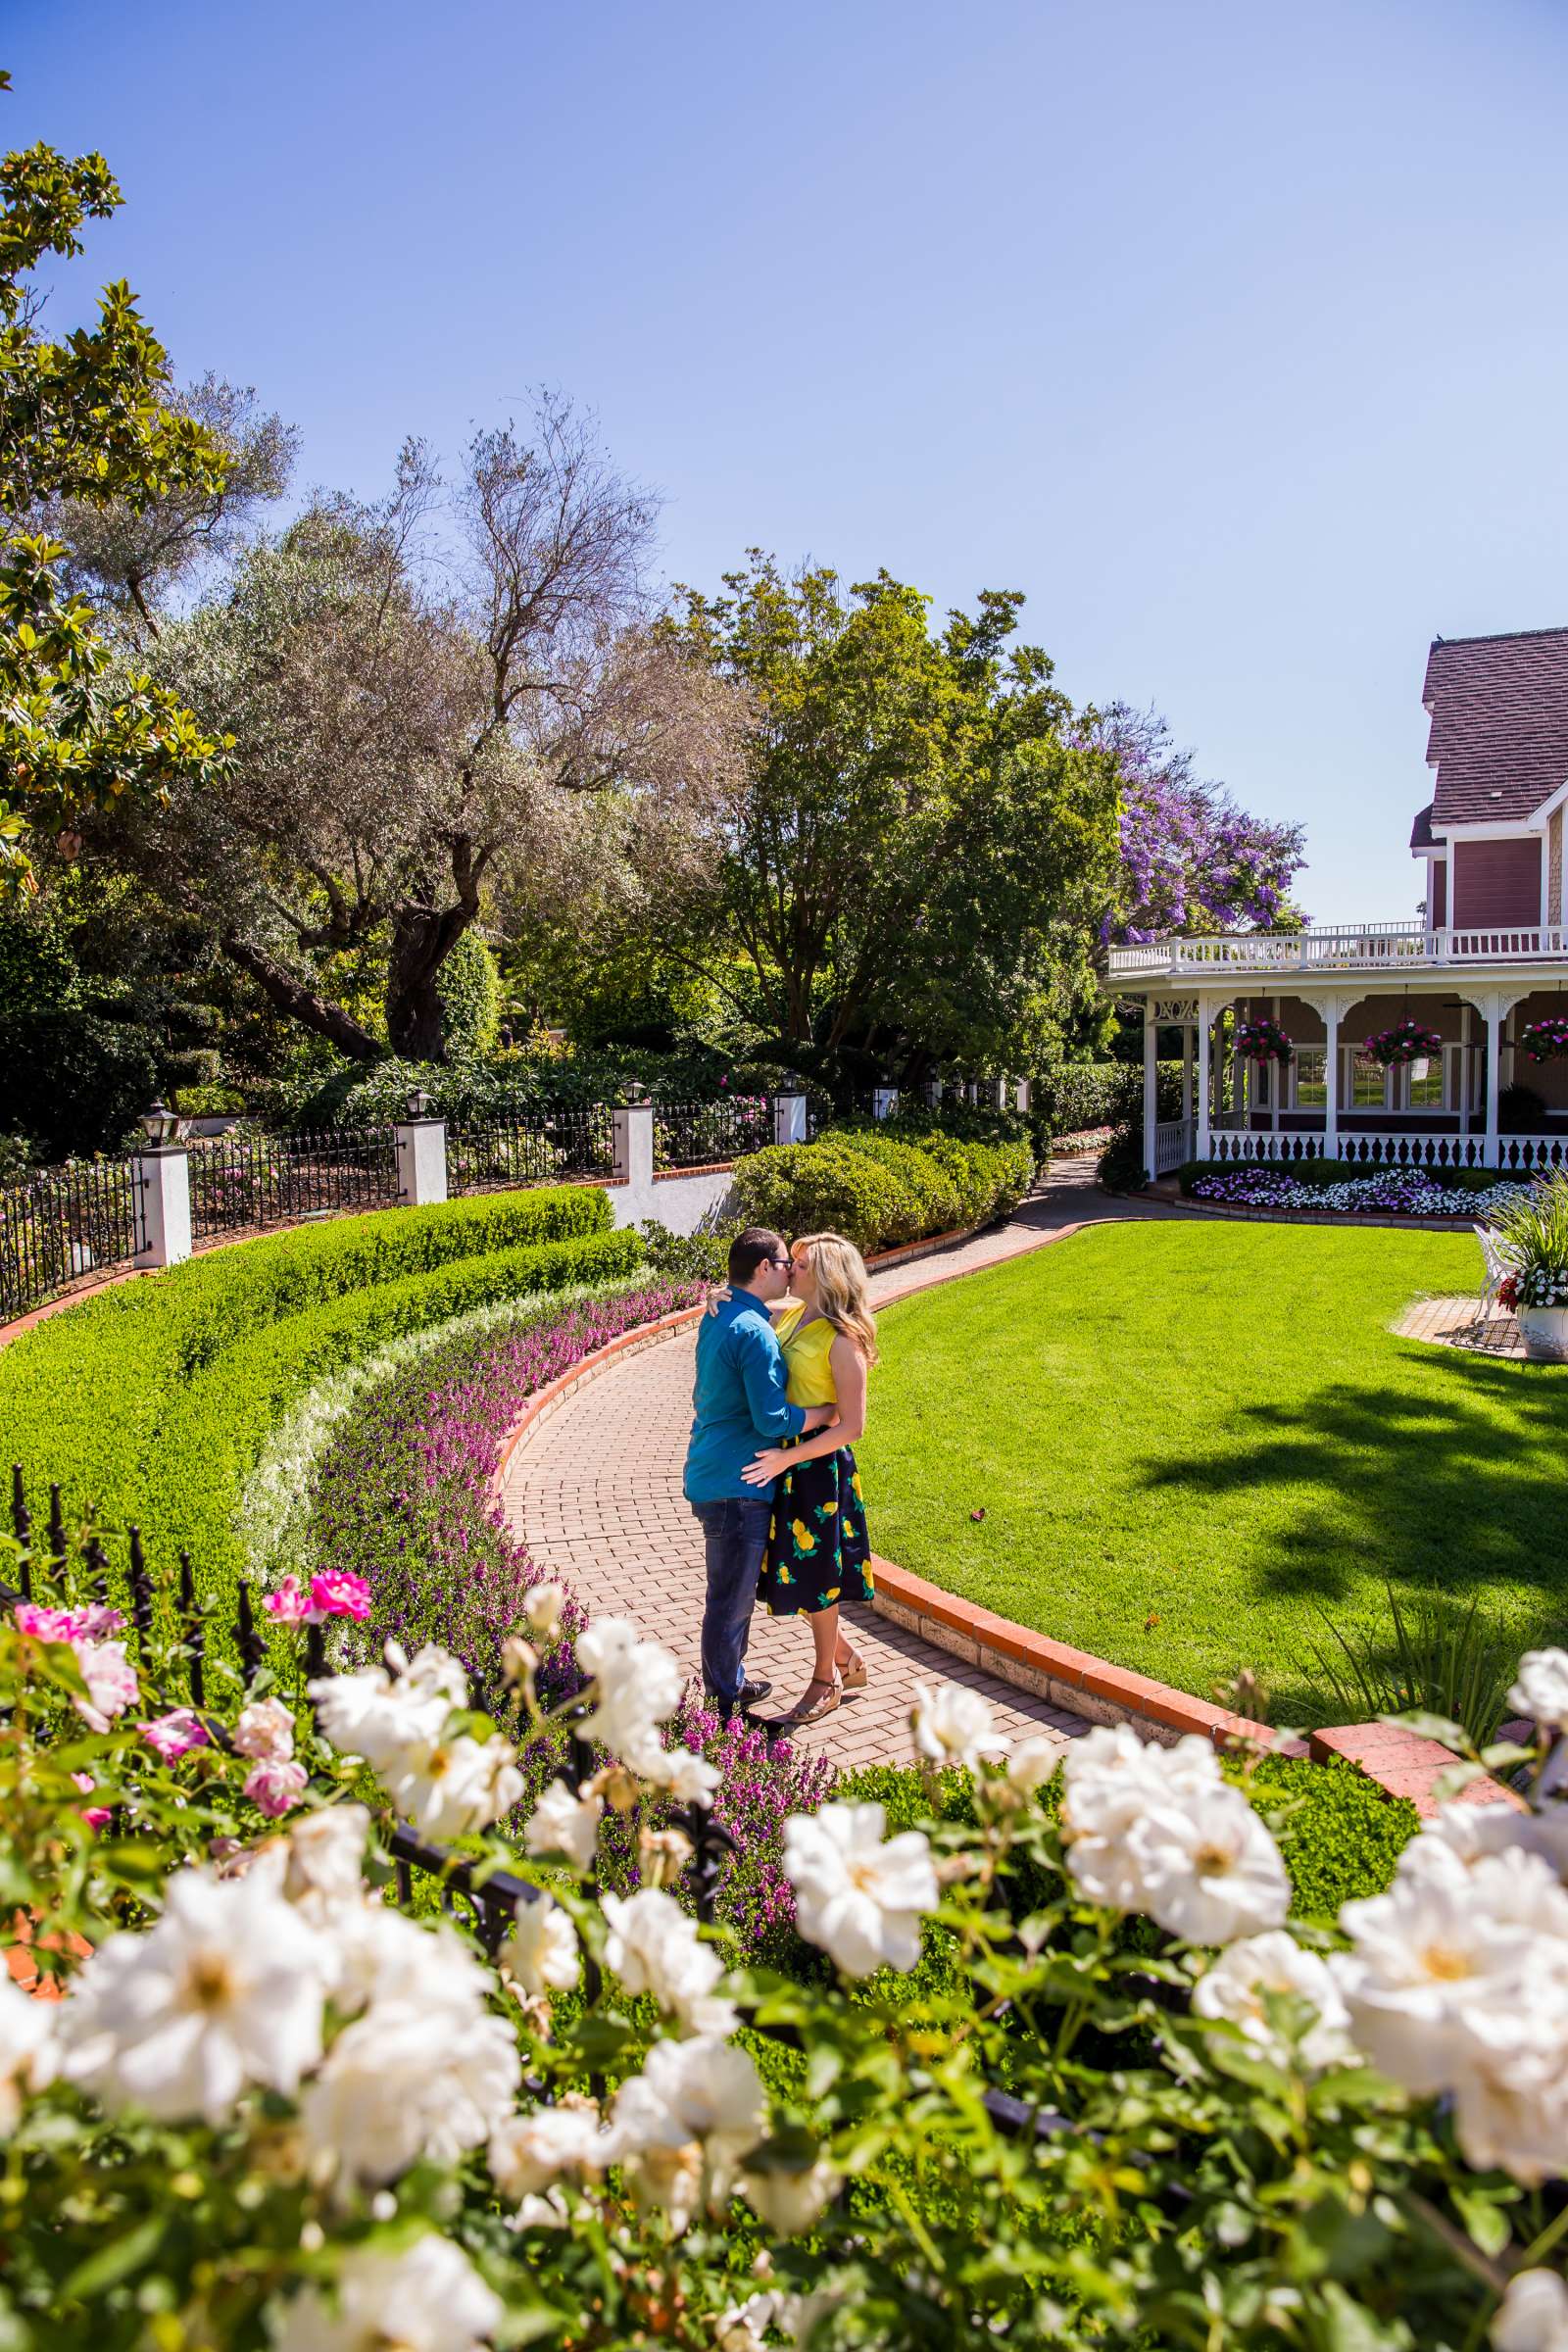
x=1483, y=964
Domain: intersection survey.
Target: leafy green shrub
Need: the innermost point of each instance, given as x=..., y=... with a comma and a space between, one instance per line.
x=188, y=1065
x=209, y=1101
x=687, y=1256
x=469, y=986
x=821, y=1188
x=1340, y=1835
x=77, y=1083
x=1123, y=1168
x=932, y=1196
x=1077, y=1095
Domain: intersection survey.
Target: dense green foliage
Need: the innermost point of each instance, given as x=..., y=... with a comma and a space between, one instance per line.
x=879, y=1190
x=151, y=1403
x=1192, y=1441
x=469, y=986
x=1074, y=1096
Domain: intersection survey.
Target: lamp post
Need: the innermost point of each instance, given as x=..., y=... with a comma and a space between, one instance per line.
x=159, y=1125
x=161, y=1174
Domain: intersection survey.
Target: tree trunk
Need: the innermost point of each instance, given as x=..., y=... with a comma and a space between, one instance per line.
x=421, y=942
x=300, y=1002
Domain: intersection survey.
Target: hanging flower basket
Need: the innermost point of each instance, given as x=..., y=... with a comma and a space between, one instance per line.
x=1407, y=1041
x=1262, y=1041
x=1548, y=1039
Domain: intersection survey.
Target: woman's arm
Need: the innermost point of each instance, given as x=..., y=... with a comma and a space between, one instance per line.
x=716, y=1294
x=848, y=1380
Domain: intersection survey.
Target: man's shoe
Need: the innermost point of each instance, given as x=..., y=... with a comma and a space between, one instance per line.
x=748, y=1697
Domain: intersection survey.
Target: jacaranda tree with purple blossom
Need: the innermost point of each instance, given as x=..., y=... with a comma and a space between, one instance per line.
x=1190, y=860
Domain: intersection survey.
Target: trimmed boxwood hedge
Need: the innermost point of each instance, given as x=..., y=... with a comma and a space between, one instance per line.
x=151, y=1405
x=880, y=1190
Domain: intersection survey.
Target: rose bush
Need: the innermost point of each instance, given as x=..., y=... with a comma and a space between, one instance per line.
x=272, y=2108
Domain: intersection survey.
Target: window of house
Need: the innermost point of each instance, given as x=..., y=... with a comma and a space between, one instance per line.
x=1308, y=1082
x=1424, y=1084
x=1368, y=1088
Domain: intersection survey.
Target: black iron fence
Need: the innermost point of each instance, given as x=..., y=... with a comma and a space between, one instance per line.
x=697, y=1135
x=169, y=1625
x=240, y=1182
x=551, y=1149
x=65, y=1224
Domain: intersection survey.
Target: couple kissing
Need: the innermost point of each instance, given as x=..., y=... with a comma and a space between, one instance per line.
x=782, y=1358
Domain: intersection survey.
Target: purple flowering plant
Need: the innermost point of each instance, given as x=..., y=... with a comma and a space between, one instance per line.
x=1546, y=1041
x=1406, y=1041
x=1263, y=1040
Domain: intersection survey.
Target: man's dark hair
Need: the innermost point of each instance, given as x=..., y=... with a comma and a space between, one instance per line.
x=752, y=1249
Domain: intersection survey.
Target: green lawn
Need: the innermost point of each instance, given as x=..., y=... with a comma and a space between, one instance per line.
x=1192, y=1441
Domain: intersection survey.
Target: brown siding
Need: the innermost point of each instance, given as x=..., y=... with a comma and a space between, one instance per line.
x=1438, y=911
x=1554, y=870
x=1496, y=882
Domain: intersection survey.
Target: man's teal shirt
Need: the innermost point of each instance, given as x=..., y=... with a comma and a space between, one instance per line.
x=739, y=1400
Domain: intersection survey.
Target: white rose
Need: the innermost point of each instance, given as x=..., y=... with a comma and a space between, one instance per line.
x=27, y=2049
x=1510, y=2095
x=655, y=1948
x=324, y=1861
x=1210, y=1868
x=690, y=1778
x=453, y=1787
x=1462, y=1835
x=1533, y=2317
x=861, y=1899
x=1541, y=1690
x=406, y=2081
x=369, y=1714
x=265, y=1731
x=1110, y=1777
x=636, y=1684
x=224, y=1991
x=1236, y=1988
x=953, y=1724
x=426, y=2298
x=542, y=1954
x=791, y=2203
x=542, y=1607
x=564, y=1824
x=529, y=2153
x=1031, y=1764
x=691, y=2115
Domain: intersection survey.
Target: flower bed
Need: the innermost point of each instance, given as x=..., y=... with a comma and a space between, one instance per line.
x=1395, y=1192
x=402, y=1495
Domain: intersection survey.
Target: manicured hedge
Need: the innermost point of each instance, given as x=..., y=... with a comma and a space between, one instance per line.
x=881, y=1190
x=151, y=1403
x=1075, y=1096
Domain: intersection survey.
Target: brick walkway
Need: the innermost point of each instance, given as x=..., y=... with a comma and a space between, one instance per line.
x=593, y=1493
x=1463, y=1323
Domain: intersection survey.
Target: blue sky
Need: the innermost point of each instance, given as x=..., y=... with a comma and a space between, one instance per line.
x=1234, y=335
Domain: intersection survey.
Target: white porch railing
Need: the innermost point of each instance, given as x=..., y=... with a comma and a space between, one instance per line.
x=1174, y=1140
x=1371, y=1149
x=1353, y=947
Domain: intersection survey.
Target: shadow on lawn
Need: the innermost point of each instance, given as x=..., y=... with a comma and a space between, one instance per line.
x=1438, y=1494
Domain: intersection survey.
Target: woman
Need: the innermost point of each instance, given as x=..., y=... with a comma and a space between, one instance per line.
x=818, y=1553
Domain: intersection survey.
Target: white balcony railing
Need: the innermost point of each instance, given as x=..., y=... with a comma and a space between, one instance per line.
x=1353, y=947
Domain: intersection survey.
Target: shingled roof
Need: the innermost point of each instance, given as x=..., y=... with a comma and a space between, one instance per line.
x=1500, y=725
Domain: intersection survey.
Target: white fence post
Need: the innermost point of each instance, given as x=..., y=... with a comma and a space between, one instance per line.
x=933, y=1092
x=634, y=1144
x=884, y=1102
x=1024, y=1094
x=789, y=1117
x=162, y=1177
x=422, y=1148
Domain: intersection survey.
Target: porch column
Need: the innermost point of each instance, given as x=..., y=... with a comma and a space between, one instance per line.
x=1204, y=1040
x=1189, y=1040
x=1238, y=1072
x=1150, y=1087
x=1330, y=1078
x=1495, y=1017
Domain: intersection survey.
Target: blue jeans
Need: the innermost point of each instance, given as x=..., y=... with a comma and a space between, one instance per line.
x=735, y=1535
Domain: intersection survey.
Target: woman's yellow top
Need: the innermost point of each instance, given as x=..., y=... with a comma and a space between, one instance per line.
x=807, y=1357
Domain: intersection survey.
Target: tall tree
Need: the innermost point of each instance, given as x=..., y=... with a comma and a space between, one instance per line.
x=84, y=418
x=1190, y=860
x=914, y=855
x=416, y=689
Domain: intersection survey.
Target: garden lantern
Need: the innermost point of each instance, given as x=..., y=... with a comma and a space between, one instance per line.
x=161, y=1124
x=421, y=1105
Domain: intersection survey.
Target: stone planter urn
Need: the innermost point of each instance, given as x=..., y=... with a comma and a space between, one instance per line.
x=1545, y=1332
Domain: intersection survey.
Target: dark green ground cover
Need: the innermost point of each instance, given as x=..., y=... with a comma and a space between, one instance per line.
x=1192, y=1443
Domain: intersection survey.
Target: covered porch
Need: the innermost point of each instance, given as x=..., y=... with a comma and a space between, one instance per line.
x=1464, y=1105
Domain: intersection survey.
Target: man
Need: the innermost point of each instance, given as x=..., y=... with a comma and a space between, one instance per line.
x=740, y=1407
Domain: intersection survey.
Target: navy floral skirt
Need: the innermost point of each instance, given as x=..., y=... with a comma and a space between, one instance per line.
x=819, y=1552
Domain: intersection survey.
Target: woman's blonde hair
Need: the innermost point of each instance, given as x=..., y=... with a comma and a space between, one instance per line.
x=841, y=1280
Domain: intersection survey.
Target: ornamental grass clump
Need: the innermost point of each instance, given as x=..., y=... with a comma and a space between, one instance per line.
x=1533, y=1233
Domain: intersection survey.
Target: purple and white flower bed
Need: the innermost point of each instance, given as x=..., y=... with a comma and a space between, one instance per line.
x=1398, y=1192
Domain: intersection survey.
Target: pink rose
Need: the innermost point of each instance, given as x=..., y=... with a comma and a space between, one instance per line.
x=276, y=1788
x=289, y=1604
x=89, y=1624
x=111, y=1681
x=266, y=1732
x=335, y=1593
x=174, y=1734
x=95, y=1816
